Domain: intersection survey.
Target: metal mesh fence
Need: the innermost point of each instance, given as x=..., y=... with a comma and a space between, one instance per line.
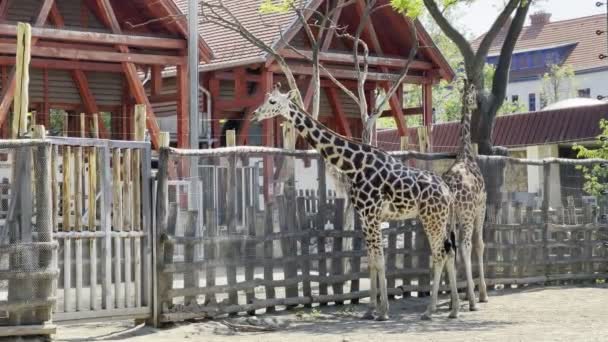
x=242, y=233
x=27, y=271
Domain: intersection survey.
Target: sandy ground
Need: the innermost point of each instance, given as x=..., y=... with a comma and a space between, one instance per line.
x=528, y=314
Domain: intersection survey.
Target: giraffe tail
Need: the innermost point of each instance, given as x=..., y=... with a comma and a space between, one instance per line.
x=450, y=242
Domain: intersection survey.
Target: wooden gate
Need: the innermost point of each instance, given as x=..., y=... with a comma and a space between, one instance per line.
x=102, y=221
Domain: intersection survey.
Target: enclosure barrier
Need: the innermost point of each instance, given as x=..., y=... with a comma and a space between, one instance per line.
x=237, y=232
x=27, y=247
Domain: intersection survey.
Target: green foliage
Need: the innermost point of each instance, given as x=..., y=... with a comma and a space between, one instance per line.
x=411, y=8
x=274, y=6
x=557, y=84
x=596, y=176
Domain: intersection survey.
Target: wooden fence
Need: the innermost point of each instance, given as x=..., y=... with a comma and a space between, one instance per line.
x=294, y=248
x=102, y=222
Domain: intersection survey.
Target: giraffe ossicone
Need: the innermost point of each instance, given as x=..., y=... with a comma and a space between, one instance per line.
x=381, y=188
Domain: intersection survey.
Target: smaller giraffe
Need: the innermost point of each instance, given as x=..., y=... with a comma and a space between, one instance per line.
x=381, y=188
x=469, y=208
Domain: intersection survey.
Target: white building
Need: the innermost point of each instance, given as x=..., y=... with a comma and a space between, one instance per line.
x=544, y=43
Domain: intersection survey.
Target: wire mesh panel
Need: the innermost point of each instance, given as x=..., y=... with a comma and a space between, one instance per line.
x=239, y=232
x=27, y=270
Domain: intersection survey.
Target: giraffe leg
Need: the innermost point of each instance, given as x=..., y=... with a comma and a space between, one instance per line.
x=465, y=248
x=455, y=305
x=373, y=288
x=479, y=248
x=383, y=308
x=438, y=263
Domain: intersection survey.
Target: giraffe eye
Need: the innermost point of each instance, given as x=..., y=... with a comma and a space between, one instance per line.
x=272, y=102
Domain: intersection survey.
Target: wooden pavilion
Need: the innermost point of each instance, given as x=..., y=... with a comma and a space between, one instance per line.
x=240, y=74
x=92, y=56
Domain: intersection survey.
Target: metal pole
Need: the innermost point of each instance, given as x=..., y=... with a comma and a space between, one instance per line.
x=193, y=72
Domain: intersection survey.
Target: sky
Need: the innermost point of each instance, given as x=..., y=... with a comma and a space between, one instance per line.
x=478, y=17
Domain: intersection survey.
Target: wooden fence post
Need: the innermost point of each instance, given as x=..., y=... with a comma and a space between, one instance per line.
x=546, y=217
x=44, y=222
x=231, y=213
x=22, y=77
x=162, y=222
x=337, y=266
x=320, y=225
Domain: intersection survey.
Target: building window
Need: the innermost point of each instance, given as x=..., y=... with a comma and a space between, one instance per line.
x=531, y=102
x=514, y=98
x=584, y=92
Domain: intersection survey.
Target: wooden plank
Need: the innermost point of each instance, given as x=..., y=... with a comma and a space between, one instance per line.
x=427, y=104
x=21, y=99
x=305, y=69
x=98, y=37
x=183, y=131
x=231, y=216
x=347, y=58
x=96, y=55
x=268, y=254
x=58, y=64
x=337, y=265
x=157, y=80
x=320, y=223
x=305, y=246
x=92, y=212
x=105, y=211
x=139, y=127
x=117, y=214
x=127, y=223
x=78, y=216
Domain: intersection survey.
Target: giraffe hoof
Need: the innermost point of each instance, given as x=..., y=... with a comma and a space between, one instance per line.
x=483, y=299
x=368, y=316
x=473, y=308
x=382, y=318
x=426, y=317
x=453, y=315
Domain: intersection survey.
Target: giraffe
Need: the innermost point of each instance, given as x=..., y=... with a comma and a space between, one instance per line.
x=469, y=207
x=381, y=188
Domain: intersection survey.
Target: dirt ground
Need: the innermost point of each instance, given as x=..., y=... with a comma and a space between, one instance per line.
x=525, y=314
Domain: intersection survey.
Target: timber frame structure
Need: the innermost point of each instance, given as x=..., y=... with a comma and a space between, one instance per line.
x=240, y=74
x=93, y=56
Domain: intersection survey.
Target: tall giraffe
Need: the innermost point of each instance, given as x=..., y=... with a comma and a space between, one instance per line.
x=469, y=208
x=381, y=188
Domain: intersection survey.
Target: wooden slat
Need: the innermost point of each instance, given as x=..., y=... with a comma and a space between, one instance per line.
x=347, y=58
x=98, y=37
x=117, y=212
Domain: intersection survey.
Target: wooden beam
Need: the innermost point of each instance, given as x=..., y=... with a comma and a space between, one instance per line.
x=304, y=69
x=182, y=107
x=135, y=85
x=339, y=115
x=56, y=64
x=9, y=91
x=231, y=76
x=98, y=37
x=88, y=99
x=397, y=110
x=345, y=58
x=157, y=80
x=427, y=97
x=4, y=9
x=101, y=56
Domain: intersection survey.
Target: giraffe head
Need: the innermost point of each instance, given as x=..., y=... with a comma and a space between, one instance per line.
x=276, y=103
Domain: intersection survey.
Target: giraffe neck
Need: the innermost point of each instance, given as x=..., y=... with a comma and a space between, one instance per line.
x=335, y=149
x=467, y=152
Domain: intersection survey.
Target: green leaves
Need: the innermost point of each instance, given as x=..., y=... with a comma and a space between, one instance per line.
x=274, y=6
x=411, y=8
x=596, y=176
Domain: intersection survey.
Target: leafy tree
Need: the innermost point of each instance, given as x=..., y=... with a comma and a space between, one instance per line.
x=491, y=94
x=557, y=84
x=596, y=177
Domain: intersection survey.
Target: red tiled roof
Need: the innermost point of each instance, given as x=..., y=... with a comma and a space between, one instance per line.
x=517, y=130
x=579, y=31
x=231, y=49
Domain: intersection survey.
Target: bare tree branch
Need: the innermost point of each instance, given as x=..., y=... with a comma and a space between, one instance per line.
x=461, y=42
x=486, y=42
